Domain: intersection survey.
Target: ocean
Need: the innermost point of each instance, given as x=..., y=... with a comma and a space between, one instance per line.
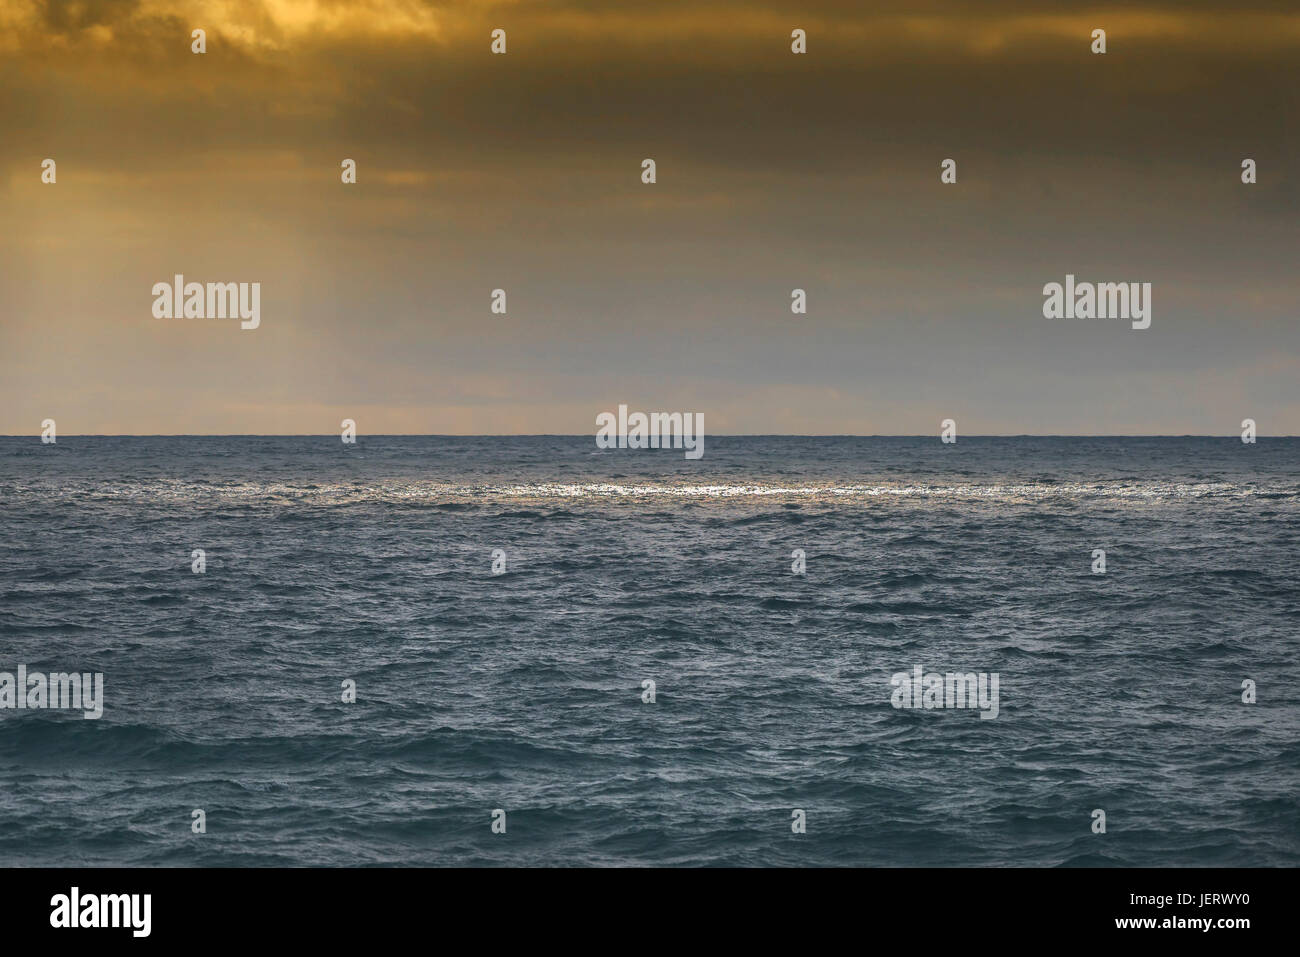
x=500, y=603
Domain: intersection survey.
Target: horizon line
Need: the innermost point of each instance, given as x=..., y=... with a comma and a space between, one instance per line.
x=579, y=435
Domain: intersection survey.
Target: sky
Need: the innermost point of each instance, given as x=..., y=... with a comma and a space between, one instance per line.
x=774, y=171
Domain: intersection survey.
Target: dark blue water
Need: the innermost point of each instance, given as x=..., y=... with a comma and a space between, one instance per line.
x=523, y=690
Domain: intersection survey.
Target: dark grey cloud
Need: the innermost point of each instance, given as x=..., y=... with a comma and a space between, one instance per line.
x=775, y=171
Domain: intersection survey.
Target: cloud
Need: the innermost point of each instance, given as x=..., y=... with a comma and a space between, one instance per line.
x=680, y=32
x=775, y=171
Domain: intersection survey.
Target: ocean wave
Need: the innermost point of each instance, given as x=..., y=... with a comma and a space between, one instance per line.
x=456, y=496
